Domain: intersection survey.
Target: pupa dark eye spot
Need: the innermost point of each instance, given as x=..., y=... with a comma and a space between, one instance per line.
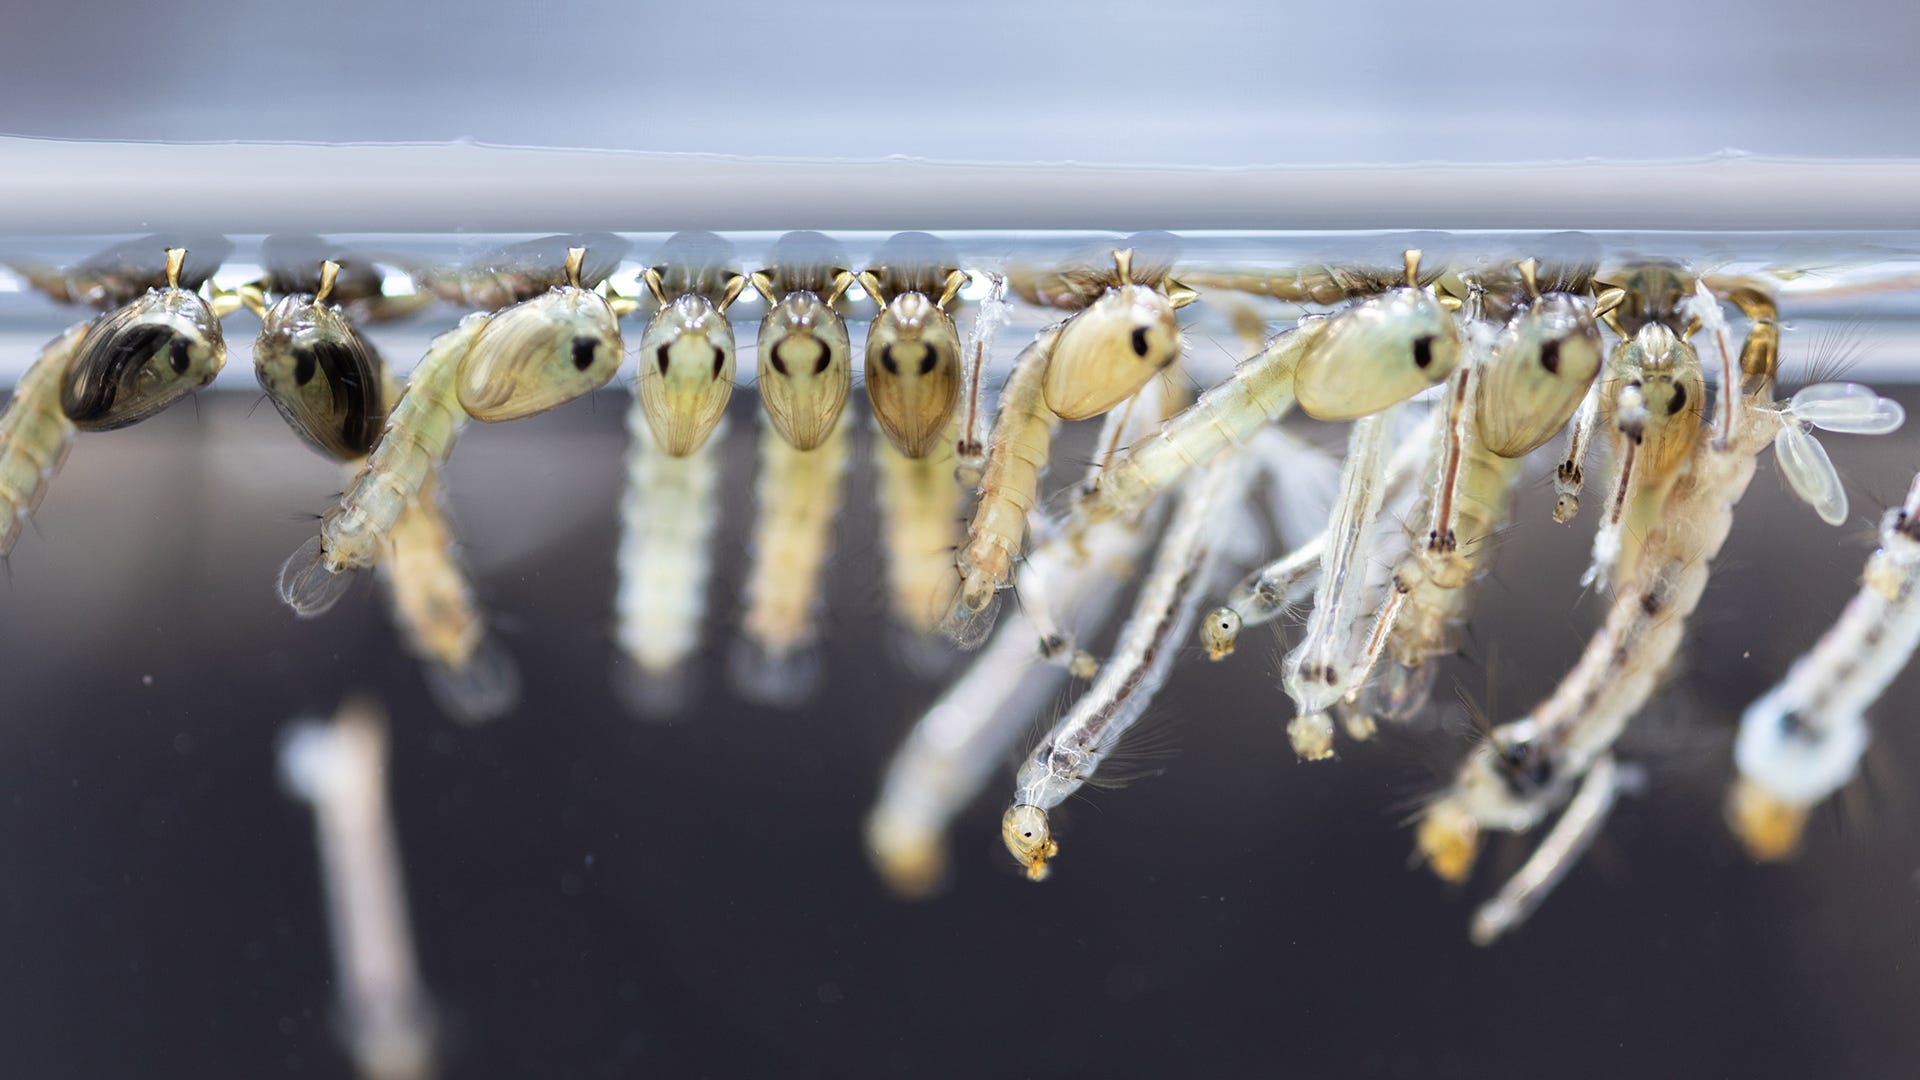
x=661, y=357
x=1423, y=352
x=820, y=365
x=927, y=361
x=1550, y=357
x=304, y=367
x=179, y=356
x=887, y=361
x=719, y=360
x=1140, y=343
x=1679, y=400
x=583, y=352
x=779, y=362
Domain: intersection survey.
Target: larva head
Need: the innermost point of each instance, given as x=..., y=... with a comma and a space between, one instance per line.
x=805, y=368
x=1105, y=354
x=1377, y=354
x=1768, y=826
x=1024, y=828
x=913, y=372
x=1664, y=371
x=686, y=372
x=322, y=376
x=540, y=354
x=142, y=358
x=1219, y=630
x=1538, y=373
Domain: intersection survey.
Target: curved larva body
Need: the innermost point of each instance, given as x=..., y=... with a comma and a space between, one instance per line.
x=1438, y=599
x=1515, y=779
x=799, y=496
x=34, y=435
x=1802, y=741
x=1016, y=456
x=1162, y=617
x=1259, y=392
x=420, y=431
x=667, y=517
x=919, y=527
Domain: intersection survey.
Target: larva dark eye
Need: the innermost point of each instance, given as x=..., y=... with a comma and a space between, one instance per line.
x=661, y=356
x=1140, y=343
x=583, y=352
x=887, y=361
x=719, y=360
x=1423, y=352
x=927, y=361
x=304, y=367
x=779, y=362
x=181, y=358
x=820, y=365
x=1679, y=400
x=1550, y=356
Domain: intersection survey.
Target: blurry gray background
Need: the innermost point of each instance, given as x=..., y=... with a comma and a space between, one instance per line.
x=1198, y=83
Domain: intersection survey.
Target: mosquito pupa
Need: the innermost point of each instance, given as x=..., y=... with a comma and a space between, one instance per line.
x=35, y=435
x=805, y=360
x=1009, y=488
x=144, y=356
x=667, y=519
x=799, y=497
x=1162, y=616
x=321, y=375
x=913, y=348
x=542, y=352
x=1802, y=740
x=1525, y=768
x=687, y=352
x=1378, y=353
x=340, y=770
x=1108, y=350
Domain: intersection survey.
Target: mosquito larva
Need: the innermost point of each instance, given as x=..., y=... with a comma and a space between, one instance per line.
x=1162, y=616
x=913, y=348
x=959, y=743
x=799, y=496
x=420, y=431
x=522, y=271
x=127, y=271
x=919, y=526
x=1009, y=488
x=1317, y=672
x=35, y=435
x=340, y=770
x=1525, y=768
x=687, y=352
x=144, y=356
x=806, y=365
x=1803, y=739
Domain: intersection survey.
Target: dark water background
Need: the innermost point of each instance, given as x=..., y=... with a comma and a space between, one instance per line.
x=596, y=896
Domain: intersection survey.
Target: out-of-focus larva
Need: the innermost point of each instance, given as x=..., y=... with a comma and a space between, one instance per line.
x=799, y=496
x=35, y=436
